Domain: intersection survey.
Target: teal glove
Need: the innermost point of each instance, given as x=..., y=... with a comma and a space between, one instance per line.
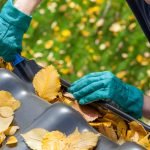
x=13, y=24
x=104, y=86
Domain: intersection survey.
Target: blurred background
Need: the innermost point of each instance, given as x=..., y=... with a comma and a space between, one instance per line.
x=83, y=36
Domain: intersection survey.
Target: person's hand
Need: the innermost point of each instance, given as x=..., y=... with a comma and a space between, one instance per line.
x=147, y=1
x=27, y=6
x=13, y=24
x=103, y=86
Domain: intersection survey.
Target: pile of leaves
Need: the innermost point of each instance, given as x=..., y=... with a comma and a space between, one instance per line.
x=5, y=65
x=47, y=85
x=40, y=139
x=8, y=105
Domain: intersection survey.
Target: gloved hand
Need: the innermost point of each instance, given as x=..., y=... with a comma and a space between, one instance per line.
x=104, y=86
x=13, y=24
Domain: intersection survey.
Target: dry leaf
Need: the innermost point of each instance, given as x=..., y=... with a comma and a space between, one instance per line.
x=2, y=137
x=81, y=141
x=6, y=112
x=69, y=95
x=34, y=138
x=145, y=142
x=47, y=83
x=97, y=124
x=11, y=130
x=89, y=113
x=11, y=140
x=133, y=136
x=6, y=99
x=114, y=119
x=53, y=141
x=108, y=131
x=40, y=139
x=5, y=123
x=122, y=129
x=135, y=126
x=67, y=101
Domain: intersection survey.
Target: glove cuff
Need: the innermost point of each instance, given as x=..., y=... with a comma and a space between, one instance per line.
x=135, y=101
x=15, y=17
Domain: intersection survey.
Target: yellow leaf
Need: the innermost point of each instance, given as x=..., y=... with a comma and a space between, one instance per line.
x=47, y=83
x=97, y=124
x=122, y=129
x=11, y=140
x=34, y=138
x=5, y=123
x=81, y=141
x=6, y=112
x=11, y=130
x=53, y=140
x=108, y=131
x=145, y=142
x=135, y=126
x=6, y=99
x=2, y=137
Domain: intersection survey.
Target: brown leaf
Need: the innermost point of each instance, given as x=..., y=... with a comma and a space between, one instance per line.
x=89, y=113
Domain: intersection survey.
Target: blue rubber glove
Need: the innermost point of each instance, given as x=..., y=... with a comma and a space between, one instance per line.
x=13, y=24
x=104, y=86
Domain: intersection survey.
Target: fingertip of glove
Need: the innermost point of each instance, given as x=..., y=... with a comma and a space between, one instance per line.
x=81, y=102
x=70, y=90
